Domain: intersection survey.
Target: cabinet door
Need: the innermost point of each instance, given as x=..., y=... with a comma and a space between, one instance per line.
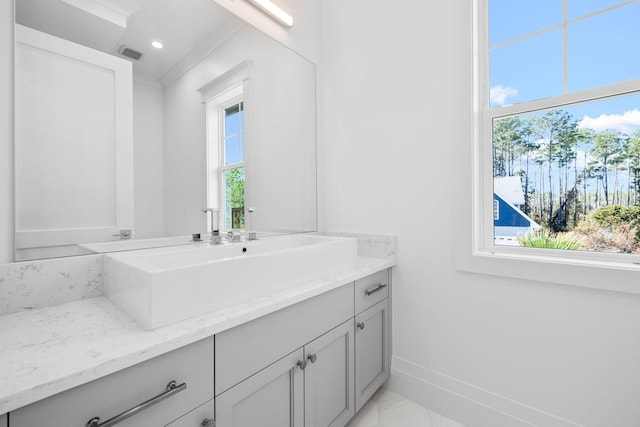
x=372, y=351
x=328, y=378
x=272, y=397
x=3, y=421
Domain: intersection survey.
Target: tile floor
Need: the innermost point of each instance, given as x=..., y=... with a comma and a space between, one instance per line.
x=388, y=409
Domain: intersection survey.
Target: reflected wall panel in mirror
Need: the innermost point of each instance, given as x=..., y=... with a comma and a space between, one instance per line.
x=166, y=166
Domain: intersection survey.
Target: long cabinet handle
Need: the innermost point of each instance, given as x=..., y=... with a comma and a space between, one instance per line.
x=172, y=388
x=378, y=288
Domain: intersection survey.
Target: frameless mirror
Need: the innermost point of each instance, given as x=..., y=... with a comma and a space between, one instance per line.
x=119, y=141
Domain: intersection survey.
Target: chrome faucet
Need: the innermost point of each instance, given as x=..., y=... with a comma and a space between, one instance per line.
x=214, y=237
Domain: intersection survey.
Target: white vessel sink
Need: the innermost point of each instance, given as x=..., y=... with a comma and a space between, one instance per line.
x=160, y=286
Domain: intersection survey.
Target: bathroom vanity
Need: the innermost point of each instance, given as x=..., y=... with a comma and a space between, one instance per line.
x=308, y=355
x=311, y=362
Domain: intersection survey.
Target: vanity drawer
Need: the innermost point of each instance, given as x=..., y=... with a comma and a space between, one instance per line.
x=246, y=349
x=371, y=290
x=116, y=393
x=199, y=417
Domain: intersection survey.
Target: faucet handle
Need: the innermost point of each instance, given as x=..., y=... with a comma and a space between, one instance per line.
x=234, y=236
x=123, y=234
x=214, y=223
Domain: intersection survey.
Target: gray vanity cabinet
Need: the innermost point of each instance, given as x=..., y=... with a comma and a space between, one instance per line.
x=372, y=339
x=189, y=369
x=290, y=368
x=310, y=387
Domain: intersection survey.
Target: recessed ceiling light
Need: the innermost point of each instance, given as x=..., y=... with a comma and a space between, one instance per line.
x=156, y=44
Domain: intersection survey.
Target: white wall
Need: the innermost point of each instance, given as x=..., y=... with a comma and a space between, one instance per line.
x=280, y=118
x=148, y=159
x=6, y=131
x=395, y=91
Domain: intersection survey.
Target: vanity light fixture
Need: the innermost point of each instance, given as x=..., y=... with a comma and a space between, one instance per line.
x=156, y=44
x=274, y=11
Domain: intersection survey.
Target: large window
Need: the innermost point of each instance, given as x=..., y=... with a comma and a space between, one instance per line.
x=560, y=125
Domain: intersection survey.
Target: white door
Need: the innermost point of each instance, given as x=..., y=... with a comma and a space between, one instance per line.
x=74, y=142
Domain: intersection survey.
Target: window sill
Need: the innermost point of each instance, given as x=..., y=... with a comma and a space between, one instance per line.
x=603, y=275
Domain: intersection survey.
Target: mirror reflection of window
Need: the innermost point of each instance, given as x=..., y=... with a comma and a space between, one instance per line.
x=226, y=156
x=233, y=167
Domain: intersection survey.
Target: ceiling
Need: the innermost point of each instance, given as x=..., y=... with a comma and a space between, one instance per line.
x=106, y=25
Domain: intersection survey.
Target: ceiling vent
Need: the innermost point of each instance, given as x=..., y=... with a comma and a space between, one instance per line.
x=130, y=53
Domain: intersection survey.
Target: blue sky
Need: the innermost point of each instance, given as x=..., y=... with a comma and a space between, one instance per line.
x=234, y=137
x=601, y=49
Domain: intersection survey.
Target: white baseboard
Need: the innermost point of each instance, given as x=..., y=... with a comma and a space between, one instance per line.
x=464, y=402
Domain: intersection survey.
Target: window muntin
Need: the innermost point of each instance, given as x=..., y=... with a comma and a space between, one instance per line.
x=578, y=8
x=531, y=76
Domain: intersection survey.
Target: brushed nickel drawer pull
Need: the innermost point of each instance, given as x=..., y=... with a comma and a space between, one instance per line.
x=360, y=325
x=373, y=291
x=172, y=388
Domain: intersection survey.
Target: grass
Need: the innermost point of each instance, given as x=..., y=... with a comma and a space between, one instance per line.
x=542, y=238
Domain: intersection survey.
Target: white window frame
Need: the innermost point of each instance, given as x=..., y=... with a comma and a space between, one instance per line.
x=231, y=85
x=222, y=168
x=475, y=246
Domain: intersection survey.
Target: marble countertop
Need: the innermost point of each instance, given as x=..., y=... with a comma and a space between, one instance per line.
x=48, y=350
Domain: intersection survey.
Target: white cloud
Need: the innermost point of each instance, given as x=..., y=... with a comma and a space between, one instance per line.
x=499, y=94
x=628, y=123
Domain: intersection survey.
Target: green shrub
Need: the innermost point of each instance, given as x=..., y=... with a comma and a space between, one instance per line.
x=608, y=216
